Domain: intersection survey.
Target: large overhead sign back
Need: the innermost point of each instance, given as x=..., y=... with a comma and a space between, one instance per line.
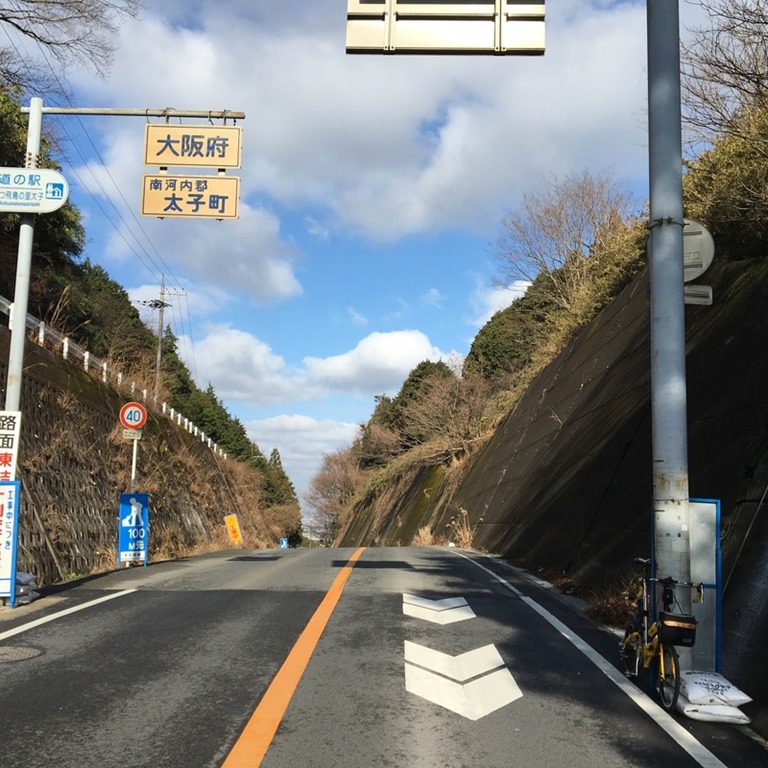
x=498, y=27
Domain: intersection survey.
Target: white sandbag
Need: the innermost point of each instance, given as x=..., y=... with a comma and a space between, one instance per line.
x=711, y=688
x=715, y=713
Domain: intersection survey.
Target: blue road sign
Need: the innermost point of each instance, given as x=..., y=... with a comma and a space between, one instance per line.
x=10, y=493
x=133, y=528
x=283, y=543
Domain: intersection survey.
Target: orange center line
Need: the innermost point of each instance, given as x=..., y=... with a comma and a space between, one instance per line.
x=249, y=750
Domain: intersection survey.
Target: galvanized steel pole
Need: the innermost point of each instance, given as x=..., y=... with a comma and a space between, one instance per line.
x=669, y=401
x=23, y=269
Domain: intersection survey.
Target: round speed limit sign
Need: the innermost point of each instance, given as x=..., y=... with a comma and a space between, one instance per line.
x=133, y=415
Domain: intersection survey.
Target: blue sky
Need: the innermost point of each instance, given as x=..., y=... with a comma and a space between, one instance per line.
x=372, y=189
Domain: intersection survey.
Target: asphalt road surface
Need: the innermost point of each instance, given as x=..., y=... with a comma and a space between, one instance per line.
x=330, y=658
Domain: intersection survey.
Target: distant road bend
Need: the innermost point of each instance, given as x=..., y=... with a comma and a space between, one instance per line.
x=330, y=658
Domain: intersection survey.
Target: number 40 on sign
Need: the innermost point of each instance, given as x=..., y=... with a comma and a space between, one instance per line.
x=133, y=416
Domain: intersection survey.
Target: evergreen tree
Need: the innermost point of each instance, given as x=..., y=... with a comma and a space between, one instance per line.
x=59, y=236
x=284, y=492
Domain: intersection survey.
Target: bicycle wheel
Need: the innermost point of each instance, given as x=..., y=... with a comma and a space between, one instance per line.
x=630, y=652
x=668, y=681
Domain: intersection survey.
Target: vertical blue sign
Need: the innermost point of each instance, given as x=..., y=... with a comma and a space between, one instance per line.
x=284, y=543
x=10, y=493
x=133, y=528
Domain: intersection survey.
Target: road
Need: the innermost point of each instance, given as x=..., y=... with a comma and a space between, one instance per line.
x=323, y=658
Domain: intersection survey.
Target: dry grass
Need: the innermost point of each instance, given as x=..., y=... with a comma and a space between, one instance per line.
x=607, y=605
x=424, y=538
x=462, y=533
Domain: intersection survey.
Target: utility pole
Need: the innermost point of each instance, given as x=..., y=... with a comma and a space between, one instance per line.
x=665, y=248
x=159, y=304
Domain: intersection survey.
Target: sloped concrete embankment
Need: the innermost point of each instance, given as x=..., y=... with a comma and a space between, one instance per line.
x=74, y=463
x=565, y=483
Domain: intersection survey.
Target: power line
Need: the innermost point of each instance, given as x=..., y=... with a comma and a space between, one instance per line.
x=141, y=253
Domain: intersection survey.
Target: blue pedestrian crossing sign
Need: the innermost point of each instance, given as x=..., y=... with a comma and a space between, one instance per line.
x=133, y=528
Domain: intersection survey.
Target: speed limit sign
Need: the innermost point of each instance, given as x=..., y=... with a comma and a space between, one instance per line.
x=133, y=415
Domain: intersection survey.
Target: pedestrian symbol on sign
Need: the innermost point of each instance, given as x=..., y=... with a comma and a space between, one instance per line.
x=134, y=518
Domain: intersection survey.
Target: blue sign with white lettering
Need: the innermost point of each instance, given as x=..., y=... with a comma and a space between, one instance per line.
x=133, y=529
x=9, y=521
x=283, y=543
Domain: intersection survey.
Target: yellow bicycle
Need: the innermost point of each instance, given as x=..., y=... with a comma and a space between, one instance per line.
x=651, y=643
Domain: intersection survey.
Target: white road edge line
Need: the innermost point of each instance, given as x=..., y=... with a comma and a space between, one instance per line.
x=667, y=723
x=60, y=614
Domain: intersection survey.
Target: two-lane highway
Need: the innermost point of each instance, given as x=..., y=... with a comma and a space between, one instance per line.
x=418, y=657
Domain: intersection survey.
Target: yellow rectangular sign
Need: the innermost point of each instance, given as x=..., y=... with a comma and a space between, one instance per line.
x=233, y=527
x=196, y=197
x=200, y=146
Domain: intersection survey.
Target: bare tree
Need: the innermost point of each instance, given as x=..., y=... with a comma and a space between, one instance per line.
x=725, y=72
x=72, y=31
x=451, y=408
x=332, y=490
x=558, y=233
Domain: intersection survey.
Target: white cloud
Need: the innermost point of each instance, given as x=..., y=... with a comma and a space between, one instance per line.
x=302, y=441
x=356, y=317
x=487, y=301
x=379, y=362
x=433, y=298
x=394, y=145
x=245, y=368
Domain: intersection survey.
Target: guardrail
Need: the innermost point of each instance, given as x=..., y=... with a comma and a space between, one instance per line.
x=48, y=337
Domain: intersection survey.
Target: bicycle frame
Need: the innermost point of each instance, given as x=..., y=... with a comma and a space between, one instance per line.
x=649, y=631
x=642, y=639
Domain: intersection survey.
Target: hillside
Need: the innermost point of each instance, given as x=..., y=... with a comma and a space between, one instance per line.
x=564, y=485
x=74, y=463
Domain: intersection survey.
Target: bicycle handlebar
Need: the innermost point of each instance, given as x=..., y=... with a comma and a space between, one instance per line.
x=669, y=582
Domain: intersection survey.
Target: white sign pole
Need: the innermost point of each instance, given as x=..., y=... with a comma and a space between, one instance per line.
x=133, y=464
x=23, y=269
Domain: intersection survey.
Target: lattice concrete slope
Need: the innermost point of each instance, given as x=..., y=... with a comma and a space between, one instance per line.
x=564, y=484
x=74, y=463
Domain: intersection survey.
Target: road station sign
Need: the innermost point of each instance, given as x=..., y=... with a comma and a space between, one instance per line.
x=133, y=416
x=497, y=27
x=196, y=197
x=32, y=190
x=199, y=146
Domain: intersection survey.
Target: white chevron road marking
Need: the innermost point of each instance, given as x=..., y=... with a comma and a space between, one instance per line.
x=449, y=610
x=438, y=678
x=458, y=668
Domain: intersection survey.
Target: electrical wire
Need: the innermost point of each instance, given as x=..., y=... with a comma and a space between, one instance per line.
x=155, y=265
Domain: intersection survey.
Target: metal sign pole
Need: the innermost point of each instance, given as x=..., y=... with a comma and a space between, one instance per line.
x=133, y=464
x=23, y=269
